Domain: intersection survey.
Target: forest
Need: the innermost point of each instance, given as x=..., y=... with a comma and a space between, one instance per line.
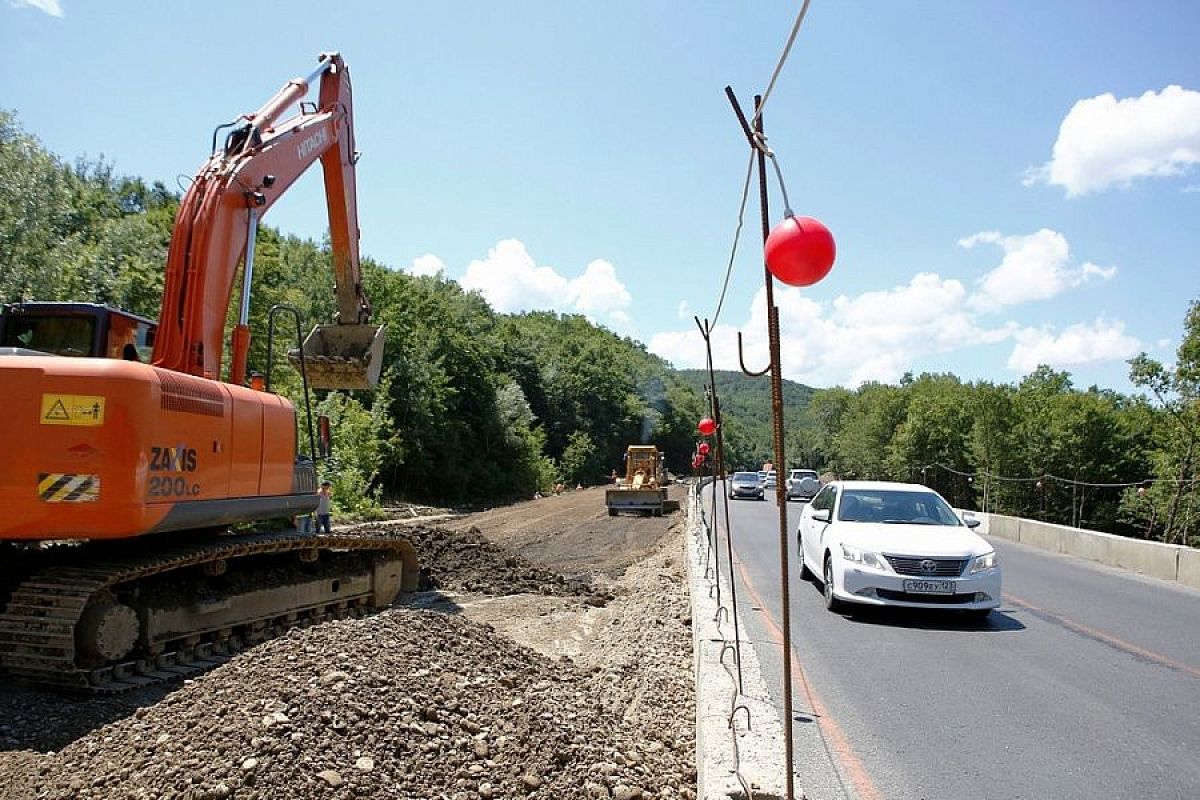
x=480, y=407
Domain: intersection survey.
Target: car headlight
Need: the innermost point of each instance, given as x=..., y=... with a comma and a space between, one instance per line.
x=985, y=561
x=856, y=555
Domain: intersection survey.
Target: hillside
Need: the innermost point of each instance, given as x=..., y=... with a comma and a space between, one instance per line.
x=746, y=410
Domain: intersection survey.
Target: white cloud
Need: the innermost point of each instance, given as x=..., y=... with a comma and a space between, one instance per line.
x=428, y=264
x=684, y=311
x=511, y=282
x=685, y=348
x=51, y=7
x=597, y=293
x=1034, y=267
x=877, y=335
x=1105, y=142
x=1078, y=344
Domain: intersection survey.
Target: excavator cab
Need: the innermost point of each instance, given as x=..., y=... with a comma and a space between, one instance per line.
x=342, y=356
x=76, y=329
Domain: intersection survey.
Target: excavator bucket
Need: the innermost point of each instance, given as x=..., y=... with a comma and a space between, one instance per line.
x=342, y=356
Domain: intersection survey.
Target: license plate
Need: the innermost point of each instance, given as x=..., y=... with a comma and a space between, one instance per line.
x=929, y=587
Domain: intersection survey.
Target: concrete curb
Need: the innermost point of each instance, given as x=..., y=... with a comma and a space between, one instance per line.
x=759, y=752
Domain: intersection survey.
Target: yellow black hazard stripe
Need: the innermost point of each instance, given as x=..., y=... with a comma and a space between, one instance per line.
x=63, y=487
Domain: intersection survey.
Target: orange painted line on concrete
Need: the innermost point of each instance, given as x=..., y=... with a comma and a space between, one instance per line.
x=849, y=761
x=1112, y=641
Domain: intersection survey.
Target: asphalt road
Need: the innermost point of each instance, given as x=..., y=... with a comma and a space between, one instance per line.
x=1084, y=684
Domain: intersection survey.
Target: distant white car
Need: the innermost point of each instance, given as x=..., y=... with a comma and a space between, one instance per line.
x=803, y=484
x=895, y=544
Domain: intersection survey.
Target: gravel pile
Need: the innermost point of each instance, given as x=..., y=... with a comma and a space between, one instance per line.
x=406, y=704
x=643, y=651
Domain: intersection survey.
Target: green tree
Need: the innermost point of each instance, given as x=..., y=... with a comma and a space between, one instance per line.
x=994, y=450
x=1171, y=501
x=931, y=445
x=580, y=461
x=358, y=433
x=867, y=425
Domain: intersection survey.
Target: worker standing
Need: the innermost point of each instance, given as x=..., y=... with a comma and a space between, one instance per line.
x=323, y=500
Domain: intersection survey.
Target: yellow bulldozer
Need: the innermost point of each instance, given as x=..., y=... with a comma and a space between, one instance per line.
x=643, y=489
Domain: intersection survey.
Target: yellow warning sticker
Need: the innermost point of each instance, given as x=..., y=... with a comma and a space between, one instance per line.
x=72, y=409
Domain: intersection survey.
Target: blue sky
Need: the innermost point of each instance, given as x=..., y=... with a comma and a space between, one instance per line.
x=1009, y=183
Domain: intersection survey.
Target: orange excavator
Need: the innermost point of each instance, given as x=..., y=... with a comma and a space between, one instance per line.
x=127, y=458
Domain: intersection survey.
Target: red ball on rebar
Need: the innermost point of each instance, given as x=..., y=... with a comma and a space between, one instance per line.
x=800, y=251
x=706, y=426
x=702, y=448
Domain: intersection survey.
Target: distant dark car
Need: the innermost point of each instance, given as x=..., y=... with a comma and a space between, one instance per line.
x=745, y=484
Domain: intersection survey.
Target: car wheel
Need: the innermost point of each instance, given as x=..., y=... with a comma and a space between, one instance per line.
x=805, y=573
x=831, y=602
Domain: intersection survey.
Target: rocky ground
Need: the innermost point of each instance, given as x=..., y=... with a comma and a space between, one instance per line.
x=552, y=659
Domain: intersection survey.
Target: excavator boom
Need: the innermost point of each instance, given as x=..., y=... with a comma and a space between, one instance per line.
x=218, y=220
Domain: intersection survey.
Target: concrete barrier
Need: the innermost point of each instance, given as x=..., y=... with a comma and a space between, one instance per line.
x=1042, y=536
x=725, y=743
x=1150, y=558
x=1189, y=567
x=1170, y=562
x=1004, y=527
x=1090, y=545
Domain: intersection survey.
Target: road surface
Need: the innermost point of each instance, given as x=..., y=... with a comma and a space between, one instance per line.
x=1084, y=684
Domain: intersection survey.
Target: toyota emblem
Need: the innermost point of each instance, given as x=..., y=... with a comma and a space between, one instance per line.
x=928, y=566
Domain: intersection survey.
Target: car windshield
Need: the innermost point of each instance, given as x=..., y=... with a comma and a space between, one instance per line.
x=895, y=507
x=745, y=477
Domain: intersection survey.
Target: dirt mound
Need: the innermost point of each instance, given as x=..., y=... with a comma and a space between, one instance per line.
x=464, y=560
x=572, y=532
x=367, y=708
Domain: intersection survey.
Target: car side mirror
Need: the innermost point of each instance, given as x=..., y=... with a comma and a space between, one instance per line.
x=971, y=522
x=824, y=515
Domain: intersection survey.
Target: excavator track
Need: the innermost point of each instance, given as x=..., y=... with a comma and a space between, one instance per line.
x=62, y=621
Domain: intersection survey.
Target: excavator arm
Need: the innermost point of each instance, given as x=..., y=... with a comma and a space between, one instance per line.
x=218, y=219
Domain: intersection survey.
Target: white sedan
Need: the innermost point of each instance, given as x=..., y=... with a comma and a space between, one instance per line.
x=896, y=544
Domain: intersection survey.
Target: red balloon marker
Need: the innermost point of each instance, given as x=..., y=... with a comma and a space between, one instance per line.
x=800, y=251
